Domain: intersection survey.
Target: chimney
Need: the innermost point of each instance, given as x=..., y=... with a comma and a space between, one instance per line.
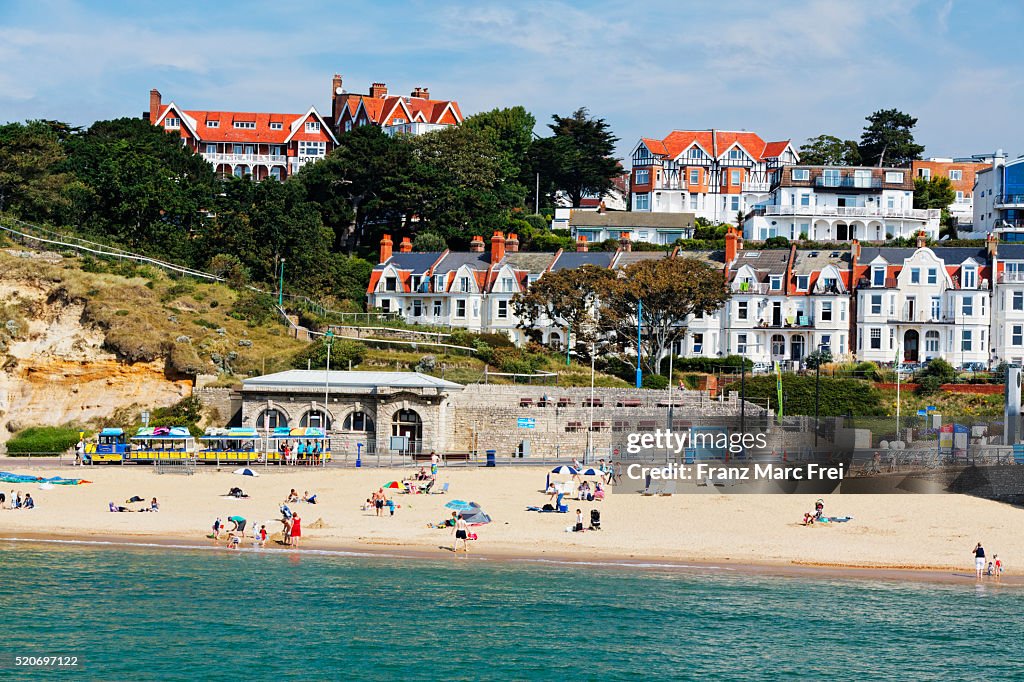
x=336, y=90
x=855, y=250
x=581, y=244
x=154, y=104
x=731, y=246
x=497, y=247
x=378, y=90
x=991, y=244
x=601, y=207
x=405, y=246
x=421, y=92
x=921, y=237
x=625, y=244
x=385, y=248
x=476, y=245
x=512, y=243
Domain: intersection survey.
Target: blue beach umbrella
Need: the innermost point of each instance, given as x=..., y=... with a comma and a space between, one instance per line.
x=591, y=471
x=563, y=470
x=245, y=471
x=459, y=505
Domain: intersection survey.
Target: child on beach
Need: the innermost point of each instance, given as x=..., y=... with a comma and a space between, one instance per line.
x=216, y=529
x=263, y=536
x=296, y=530
x=998, y=566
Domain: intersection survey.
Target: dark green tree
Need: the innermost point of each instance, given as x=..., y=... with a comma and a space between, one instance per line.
x=827, y=150
x=936, y=192
x=428, y=241
x=32, y=184
x=510, y=131
x=579, y=158
x=888, y=139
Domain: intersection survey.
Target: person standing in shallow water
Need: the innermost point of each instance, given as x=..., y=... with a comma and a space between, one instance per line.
x=979, y=560
x=461, y=533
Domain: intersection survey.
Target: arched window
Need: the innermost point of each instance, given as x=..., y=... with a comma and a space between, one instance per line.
x=778, y=345
x=407, y=423
x=358, y=421
x=271, y=419
x=316, y=419
x=555, y=341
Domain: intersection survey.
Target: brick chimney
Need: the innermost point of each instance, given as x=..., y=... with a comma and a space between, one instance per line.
x=921, y=238
x=497, y=247
x=625, y=244
x=477, y=244
x=385, y=248
x=581, y=244
x=336, y=90
x=378, y=90
x=405, y=246
x=421, y=92
x=855, y=250
x=155, y=102
x=733, y=244
x=512, y=243
x=992, y=244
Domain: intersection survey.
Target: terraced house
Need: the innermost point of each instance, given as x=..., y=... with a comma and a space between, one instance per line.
x=246, y=144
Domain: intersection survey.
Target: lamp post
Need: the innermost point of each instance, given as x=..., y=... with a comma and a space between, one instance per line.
x=817, y=391
x=280, y=287
x=590, y=432
x=329, y=338
x=639, y=352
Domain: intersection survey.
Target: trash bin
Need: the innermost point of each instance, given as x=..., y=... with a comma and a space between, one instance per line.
x=491, y=457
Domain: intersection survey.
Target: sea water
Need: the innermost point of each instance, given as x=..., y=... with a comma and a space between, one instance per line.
x=177, y=614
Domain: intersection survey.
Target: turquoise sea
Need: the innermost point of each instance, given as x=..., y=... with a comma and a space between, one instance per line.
x=181, y=614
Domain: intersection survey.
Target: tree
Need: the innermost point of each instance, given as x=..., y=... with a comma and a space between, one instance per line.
x=566, y=298
x=671, y=290
x=888, y=139
x=936, y=192
x=578, y=159
x=510, y=131
x=820, y=357
x=32, y=182
x=428, y=241
x=827, y=150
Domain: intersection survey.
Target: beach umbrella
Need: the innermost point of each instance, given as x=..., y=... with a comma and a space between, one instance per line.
x=592, y=472
x=565, y=470
x=394, y=484
x=245, y=471
x=459, y=505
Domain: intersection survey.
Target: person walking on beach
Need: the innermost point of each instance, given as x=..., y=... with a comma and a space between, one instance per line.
x=434, y=460
x=263, y=536
x=998, y=566
x=79, y=451
x=216, y=529
x=979, y=560
x=296, y=530
x=461, y=530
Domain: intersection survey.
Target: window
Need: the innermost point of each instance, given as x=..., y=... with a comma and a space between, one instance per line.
x=965, y=340
x=696, y=153
x=933, y=276
x=1017, y=335
x=694, y=176
x=736, y=155
x=236, y=149
x=348, y=126
x=956, y=175
x=245, y=125
x=698, y=343
x=830, y=283
x=415, y=282
x=437, y=309
x=460, y=308
x=826, y=341
x=741, y=344
x=464, y=284
x=959, y=197
x=801, y=282
x=643, y=202
x=211, y=149
x=213, y=124
x=876, y=304
x=776, y=282
x=693, y=202
x=734, y=177
x=275, y=150
x=741, y=310
x=915, y=275
x=385, y=305
x=735, y=203
x=507, y=284
x=276, y=126
x=1018, y=300
x=312, y=148
x=936, y=307
x=390, y=284
x=642, y=176
x=831, y=177
x=778, y=345
x=893, y=176
x=801, y=174
x=502, y=309
x=878, y=276
x=417, y=308
x=312, y=126
x=826, y=311
x=439, y=281
x=171, y=122
x=358, y=421
x=970, y=278
x=968, y=306
x=876, y=338
x=925, y=173
x=805, y=199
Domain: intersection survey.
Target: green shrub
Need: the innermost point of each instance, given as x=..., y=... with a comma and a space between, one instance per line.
x=230, y=267
x=43, y=439
x=838, y=396
x=928, y=384
x=692, y=381
x=121, y=313
x=254, y=308
x=941, y=370
x=178, y=289
x=655, y=381
x=342, y=351
x=711, y=365
x=206, y=324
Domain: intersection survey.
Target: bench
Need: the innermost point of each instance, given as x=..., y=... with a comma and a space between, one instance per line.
x=445, y=456
x=593, y=402
x=564, y=402
x=574, y=426
x=599, y=426
x=526, y=402
x=629, y=403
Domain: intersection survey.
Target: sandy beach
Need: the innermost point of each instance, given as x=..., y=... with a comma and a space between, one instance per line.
x=922, y=533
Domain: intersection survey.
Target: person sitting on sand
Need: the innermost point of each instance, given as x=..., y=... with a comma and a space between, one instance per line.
x=309, y=499
x=819, y=509
x=134, y=498
x=16, y=501
x=578, y=528
x=292, y=496
x=114, y=508
x=808, y=519
x=154, y=506
x=598, y=492
x=234, y=541
x=421, y=475
x=29, y=503
x=237, y=493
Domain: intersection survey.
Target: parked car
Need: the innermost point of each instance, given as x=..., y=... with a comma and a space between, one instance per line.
x=974, y=367
x=761, y=368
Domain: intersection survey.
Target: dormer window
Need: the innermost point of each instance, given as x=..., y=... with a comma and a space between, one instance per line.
x=830, y=284
x=878, y=276
x=170, y=122
x=464, y=284
x=801, y=174
x=213, y=124
x=507, y=284
x=776, y=282
x=970, y=277
x=276, y=126
x=802, y=282
x=696, y=153
x=439, y=283
x=390, y=284
x=397, y=121
x=245, y=125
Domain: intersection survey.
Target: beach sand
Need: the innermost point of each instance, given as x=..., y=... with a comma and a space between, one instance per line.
x=911, y=532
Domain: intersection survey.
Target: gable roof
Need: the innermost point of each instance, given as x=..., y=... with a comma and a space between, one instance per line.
x=196, y=120
x=715, y=143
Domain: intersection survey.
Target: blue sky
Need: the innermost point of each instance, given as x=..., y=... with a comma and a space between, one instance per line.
x=782, y=69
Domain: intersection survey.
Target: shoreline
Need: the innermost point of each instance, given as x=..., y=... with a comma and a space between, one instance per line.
x=792, y=569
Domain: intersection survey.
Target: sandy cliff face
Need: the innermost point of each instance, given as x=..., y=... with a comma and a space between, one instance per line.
x=55, y=369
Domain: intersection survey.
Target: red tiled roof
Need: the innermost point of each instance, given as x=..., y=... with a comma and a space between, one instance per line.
x=426, y=110
x=715, y=143
x=225, y=130
x=773, y=149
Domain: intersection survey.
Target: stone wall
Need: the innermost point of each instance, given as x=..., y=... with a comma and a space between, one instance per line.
x=219, y=399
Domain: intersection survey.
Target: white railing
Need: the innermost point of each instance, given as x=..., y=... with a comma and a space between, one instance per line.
x=854, y=212
x=1011, y=277
x=268, y=159
x=757, y=187
x=413, y=128
x=750, y=287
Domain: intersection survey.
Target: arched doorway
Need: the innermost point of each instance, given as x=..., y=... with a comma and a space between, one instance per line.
x=408, y=423
x=796, y=346
x=555, y=341
x=271, y=418
x=844, y=232
x=911, y=341
x=316, y=419
x=778, y=346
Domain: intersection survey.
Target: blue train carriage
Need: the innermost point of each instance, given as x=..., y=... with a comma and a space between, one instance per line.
x=111, y=446
x=307, y=445
x=162, y=443
x=242, y=444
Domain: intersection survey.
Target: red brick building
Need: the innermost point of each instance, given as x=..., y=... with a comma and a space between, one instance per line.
x=961, y=174
x=412, y=115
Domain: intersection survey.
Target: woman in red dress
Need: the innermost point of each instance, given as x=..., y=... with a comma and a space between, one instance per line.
x=296, y=530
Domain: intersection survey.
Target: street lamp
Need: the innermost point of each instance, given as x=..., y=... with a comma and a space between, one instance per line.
x=590, y=432
x=329, y=338
x=280, y=287
x=817, y=390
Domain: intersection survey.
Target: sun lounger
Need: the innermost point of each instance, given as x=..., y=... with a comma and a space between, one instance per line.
x=669, y=489
x=442, y=491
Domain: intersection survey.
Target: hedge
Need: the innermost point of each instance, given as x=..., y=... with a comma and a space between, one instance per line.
x=43, y=439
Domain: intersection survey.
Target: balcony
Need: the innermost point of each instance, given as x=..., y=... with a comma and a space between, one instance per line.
x=1011, y=277
x=412, y=128
x=757, y=187
x=1010, y=201
x=751, y=287
x=923, y=214
x=847, y=182
x=788, y=322
x=264, y=159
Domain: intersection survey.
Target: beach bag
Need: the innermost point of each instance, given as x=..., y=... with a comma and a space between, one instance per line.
x=548, y=507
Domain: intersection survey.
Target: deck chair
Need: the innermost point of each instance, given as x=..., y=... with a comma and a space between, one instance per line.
x=669, y=489
x=442, y=491
x=653, y=488
x=425, y=489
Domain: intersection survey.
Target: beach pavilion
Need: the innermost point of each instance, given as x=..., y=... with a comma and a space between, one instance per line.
x=361, y=407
